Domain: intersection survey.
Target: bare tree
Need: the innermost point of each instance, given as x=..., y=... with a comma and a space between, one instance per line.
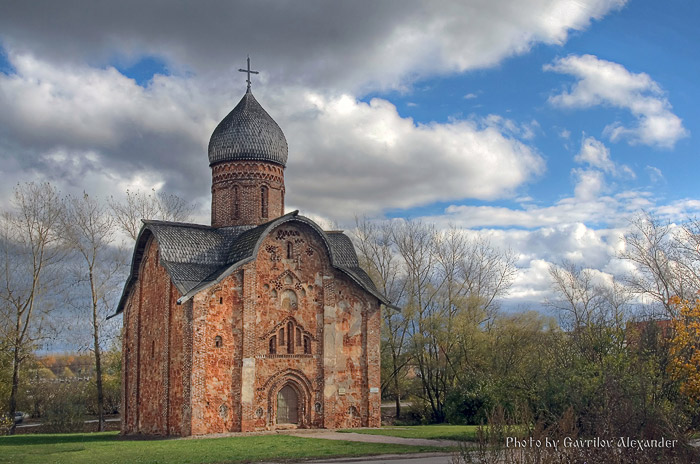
x=593, y=310
x=665, y=260
x=453, y=285
x=90, y=231
x=154, y=205
x=377, y=254
x=30, y=247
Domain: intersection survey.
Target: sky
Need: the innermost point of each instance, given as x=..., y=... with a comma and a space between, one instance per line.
x=542, y=125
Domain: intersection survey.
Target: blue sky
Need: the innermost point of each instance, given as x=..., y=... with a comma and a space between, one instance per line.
x=542, y=125
x=659, y=39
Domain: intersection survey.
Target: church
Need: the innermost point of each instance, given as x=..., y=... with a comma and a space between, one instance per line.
x=261, y=321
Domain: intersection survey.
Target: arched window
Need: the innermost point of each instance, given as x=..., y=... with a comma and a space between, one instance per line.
x=307, y=345
x=236, y=203
x=298, y=336
x=281, y=336
x=273, y=344
x=290, y=338
x=290, y=250
x=218, y=342
x=263, y=201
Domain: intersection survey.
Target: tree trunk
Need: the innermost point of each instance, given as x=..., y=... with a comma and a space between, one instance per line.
x=98, y=374
x=15, y=387
x=397, y=393
x=98, y=362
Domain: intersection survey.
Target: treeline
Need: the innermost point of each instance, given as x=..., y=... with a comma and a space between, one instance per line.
x=64, y=262
x=620, y=358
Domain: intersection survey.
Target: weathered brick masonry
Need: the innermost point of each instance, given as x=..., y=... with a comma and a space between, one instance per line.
x=257, y=322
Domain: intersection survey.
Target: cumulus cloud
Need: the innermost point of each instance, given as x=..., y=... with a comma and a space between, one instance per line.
x=589, y=184
x=595, y=154
x=602, y=82
x=583, y=207
x=348, y=46
x=82, y=127
x=345, y=151
x=83, y=124
x=541, y=248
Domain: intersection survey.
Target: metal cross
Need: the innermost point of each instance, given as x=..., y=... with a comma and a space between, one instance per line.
x=249, y=73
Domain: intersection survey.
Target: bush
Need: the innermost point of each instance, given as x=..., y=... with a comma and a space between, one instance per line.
x=468, y=404
x=418, y=413
x=496, y=443
x=65, y=408
x=5, y=424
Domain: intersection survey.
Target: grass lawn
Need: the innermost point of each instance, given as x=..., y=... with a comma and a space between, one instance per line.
x=435, y=432
x=108, y=447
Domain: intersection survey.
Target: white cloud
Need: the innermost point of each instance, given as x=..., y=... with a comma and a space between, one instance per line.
x=343, y=46
x=655, y=174
x=589, y=184
x=538, y=249
x=82, y=124
x=81, y=128
x=350, y=157
x=595, y=154
x=679, y=210
x=470, y=96
x=603, y=82
x=583, y=207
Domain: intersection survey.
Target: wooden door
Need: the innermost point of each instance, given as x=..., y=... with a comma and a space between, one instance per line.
x=287, y=406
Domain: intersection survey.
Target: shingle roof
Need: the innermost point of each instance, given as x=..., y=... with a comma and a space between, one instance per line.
x=248, y=133
x=197, y=256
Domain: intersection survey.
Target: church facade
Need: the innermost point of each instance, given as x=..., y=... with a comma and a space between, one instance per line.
x=260, y=321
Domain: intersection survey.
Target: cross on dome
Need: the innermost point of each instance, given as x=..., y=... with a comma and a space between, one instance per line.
x=249, y=73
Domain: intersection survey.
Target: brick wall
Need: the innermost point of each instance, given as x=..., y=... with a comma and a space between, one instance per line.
x=216, y=363
x=238, y=189
x=155, y=376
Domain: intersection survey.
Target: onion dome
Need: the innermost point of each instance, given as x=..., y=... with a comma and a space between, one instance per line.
x=248, y=133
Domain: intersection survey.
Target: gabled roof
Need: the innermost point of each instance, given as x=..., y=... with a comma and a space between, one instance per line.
x=197, y=256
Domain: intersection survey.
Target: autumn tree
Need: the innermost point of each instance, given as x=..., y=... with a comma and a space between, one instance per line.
x=90, y=230
x=140, y=205
x=685, y=347
x=30, y=247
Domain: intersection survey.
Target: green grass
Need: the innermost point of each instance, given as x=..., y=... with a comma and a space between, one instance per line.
x=108, y=447
x=431, y=432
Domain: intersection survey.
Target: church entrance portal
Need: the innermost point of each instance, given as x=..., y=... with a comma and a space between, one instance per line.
x=287, y=406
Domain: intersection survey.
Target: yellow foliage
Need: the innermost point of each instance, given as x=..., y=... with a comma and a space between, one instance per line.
x=684, y=350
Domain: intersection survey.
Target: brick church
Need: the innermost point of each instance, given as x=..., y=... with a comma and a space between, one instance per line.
x=260, y=321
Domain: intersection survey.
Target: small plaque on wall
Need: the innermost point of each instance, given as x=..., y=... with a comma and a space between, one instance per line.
x=341, y=391
x=374, y=390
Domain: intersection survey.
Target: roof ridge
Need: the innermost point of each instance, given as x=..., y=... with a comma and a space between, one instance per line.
x=176, y=223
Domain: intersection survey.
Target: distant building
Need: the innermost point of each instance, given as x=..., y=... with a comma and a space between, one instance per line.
x=261, y=320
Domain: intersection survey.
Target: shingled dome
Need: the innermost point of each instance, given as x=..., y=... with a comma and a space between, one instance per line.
x=248, y=133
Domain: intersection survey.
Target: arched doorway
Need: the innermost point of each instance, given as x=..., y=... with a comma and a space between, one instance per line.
x=287, y=406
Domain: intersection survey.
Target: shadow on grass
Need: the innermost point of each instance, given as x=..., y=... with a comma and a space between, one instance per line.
x=58, y=438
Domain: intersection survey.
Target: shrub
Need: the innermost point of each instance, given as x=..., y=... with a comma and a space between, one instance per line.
x=65, y=408
x=468, y=404
x=5, y=424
